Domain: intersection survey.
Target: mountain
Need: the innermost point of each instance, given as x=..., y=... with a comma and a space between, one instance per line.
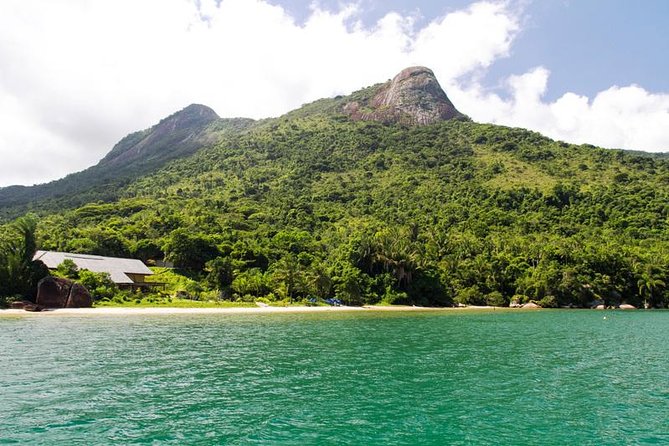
x=413, y=97
x=396, y=198
x=176, y=136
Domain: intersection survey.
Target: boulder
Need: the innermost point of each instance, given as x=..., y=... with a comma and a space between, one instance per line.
x=53, y=292
x=33, y=307
x=530, y=305
x=627, y=307
x=56, y=292
x=600, y=307
x=181, y=294
x=19, y=304
x=79, y=297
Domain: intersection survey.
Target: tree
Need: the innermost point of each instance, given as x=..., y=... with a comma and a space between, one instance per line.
x=188, y=250
x=650, y=284
x=320, y=282
x=250, y=282
x=100, y=285
x=68, y=269
x=19, y=273
x=221, y=273
x=351, y=285
x=397, y=253
x=147, y=249
x=104, y=242
x=287, y=273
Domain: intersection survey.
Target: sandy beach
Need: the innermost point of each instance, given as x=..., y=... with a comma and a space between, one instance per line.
x=129, y=311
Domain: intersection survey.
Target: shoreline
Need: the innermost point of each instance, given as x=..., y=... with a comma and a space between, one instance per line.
x=127, y=311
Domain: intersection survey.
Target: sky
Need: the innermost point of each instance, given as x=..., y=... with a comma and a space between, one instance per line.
x=76, y=76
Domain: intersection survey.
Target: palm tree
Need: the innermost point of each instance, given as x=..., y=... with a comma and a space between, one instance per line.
x=18, y=272
x=320, y=281
x=287, y=271
x=397, y=253
x=649, y=282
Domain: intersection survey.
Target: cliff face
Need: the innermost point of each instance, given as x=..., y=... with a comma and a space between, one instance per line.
x=413, y=97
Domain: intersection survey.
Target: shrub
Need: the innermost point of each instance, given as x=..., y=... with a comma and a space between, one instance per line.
x=470, y=296
x=68, y=269
x=548, y=302
x=495, y=299
x=392, y=296
x=99, y=285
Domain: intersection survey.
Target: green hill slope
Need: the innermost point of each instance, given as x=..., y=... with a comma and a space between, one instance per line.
x=319, y=203
x=176, y=136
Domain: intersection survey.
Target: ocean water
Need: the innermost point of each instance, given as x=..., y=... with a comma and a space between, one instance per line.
x=540, y=377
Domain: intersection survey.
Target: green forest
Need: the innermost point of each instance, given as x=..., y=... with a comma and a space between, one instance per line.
x=313, y=206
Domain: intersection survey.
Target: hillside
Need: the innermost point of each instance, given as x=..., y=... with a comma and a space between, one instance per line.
x=176, y=136
x=389, y=206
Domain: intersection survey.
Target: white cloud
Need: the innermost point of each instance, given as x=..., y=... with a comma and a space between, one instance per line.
x=466, y=41
x=78, y=75
x=619, y=117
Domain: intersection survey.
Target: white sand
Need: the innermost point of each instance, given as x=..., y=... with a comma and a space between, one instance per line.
x=125, y=311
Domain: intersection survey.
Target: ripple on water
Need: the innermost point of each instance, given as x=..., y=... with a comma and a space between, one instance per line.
x=553, y=377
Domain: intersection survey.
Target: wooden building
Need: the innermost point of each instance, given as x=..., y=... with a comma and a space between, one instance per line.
x=126, y=273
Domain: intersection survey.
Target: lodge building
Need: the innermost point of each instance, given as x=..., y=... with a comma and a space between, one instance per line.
x=126, y=273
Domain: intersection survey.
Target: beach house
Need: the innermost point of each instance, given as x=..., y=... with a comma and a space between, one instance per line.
x=126, y=273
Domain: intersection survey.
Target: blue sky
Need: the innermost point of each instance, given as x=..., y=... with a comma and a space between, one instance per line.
x=75, y=77
x=588, y=45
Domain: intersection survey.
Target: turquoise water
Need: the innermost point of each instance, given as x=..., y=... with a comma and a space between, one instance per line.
x=544, y=377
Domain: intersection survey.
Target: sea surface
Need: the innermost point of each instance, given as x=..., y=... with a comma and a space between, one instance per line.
x=360, y=378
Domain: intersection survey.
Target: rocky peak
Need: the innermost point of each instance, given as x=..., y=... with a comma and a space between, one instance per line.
x=193, y=115
x=177, y=134
x=413, y=97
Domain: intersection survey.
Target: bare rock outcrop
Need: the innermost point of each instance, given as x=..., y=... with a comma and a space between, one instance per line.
x=413, y=97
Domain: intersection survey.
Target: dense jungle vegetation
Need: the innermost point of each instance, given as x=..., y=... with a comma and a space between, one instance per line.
x=318, y=206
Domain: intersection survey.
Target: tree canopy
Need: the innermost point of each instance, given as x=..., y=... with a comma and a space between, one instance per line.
x=320, y=206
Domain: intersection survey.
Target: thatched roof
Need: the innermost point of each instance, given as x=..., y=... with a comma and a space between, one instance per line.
x=118, y=268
